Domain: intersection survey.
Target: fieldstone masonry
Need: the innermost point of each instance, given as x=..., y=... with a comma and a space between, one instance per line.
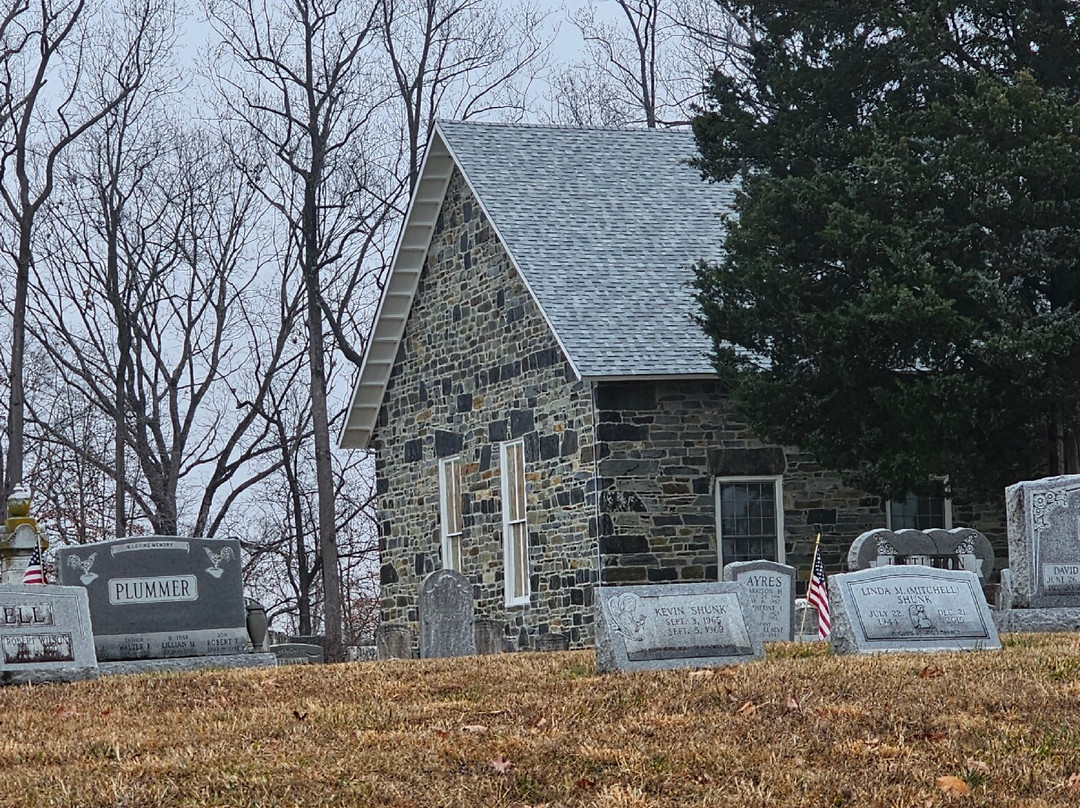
x=620, y=475
x=478, y=365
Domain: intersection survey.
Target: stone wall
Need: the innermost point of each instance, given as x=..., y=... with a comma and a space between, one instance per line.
x=620, y=476
x=660, y=446
x=477, y=366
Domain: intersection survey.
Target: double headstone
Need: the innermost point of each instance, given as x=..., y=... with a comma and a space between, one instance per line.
x=772, y=596
x=160, y=596
x=675, y=626
x=962, y=548
x=45, y=635
x=909, y=608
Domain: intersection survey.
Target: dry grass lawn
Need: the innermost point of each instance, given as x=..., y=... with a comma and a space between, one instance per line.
x=802, y=728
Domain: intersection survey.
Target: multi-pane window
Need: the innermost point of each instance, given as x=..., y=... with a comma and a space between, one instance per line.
x=450, y=512
x=515, y=527
x=920, y=512
x=750, y=519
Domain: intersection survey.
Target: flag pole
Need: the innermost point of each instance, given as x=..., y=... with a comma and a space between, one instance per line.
x=813, y=558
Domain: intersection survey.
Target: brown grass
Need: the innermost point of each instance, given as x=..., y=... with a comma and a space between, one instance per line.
x=802, y=728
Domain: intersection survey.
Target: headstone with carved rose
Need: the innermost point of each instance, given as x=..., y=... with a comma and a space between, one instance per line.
x=962, y=548
x=160, y=596
x=1044, y=542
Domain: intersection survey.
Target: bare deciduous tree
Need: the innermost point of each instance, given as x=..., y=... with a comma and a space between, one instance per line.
x=42, y=43
x=301, y=79
x=645, y=62
x=460, y=59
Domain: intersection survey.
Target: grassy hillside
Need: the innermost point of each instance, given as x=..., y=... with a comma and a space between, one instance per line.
x=802, y=728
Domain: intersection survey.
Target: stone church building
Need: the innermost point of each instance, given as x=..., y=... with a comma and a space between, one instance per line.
x=542, y=407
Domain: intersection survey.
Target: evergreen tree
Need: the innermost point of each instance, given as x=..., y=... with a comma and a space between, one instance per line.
x=901, y=289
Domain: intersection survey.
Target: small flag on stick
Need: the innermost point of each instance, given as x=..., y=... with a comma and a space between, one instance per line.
x=817, y=595
x=35, y=573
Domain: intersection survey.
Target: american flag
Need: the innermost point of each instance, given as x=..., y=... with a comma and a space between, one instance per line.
x=34, y=573
x=818, y=596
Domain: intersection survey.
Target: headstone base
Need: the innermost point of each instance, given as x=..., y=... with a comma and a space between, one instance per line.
x=131, y=666
x=1030, y=620
x=52, y=676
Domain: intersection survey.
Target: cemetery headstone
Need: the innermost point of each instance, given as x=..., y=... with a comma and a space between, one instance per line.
x=446, y=615
x=161, y=596
x=298, y=653
x=552, y=642
x=394, y=641
x=909, y=608
x=45, y=635
x=961, y=548
x=490, y=635
x=361, y=653
x=1044, y=542
x=772, y=595
x=675, y=626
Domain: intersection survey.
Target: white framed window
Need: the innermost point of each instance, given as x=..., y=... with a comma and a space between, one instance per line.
x=919, y=512
x=450, y=522
x=749, y=519
x=515, y=525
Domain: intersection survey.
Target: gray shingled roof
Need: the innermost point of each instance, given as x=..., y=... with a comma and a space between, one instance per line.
x=604, y=225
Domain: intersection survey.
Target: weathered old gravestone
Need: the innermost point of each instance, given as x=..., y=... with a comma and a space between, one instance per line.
x=446, y=615
x=772, y=596
x=298, y=653
x=1044, y=542
x=45, y=635
x=909, y=608
x=962, y=548
x=675, y=626
x=160, y=596
x=393, y=641
x=490, y=635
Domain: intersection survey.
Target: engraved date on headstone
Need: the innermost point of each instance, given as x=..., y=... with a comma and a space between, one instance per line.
x=36, y=648
x=1061, y=579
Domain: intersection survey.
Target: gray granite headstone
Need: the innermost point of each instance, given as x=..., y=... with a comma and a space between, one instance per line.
x=961, y=548
x=393, y=641
x=675, y=626
x=160, y=596
x=446, y=615
x=45, y=635
x=298, y=653
x=1044, y=542
x=490, y=635
x=772, y=595
x=909, y=608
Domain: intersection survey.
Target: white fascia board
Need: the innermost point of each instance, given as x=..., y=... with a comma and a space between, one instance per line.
x=396, y=301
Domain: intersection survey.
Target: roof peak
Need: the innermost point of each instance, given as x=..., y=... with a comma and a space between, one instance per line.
x=564, y=127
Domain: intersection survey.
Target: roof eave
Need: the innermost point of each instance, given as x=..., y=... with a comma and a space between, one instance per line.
x=397, y=297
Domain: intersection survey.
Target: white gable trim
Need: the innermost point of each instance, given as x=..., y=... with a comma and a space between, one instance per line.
x=400, y=290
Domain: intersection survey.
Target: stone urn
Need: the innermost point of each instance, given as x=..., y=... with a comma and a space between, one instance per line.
x=257, y=624
x=18, y=501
